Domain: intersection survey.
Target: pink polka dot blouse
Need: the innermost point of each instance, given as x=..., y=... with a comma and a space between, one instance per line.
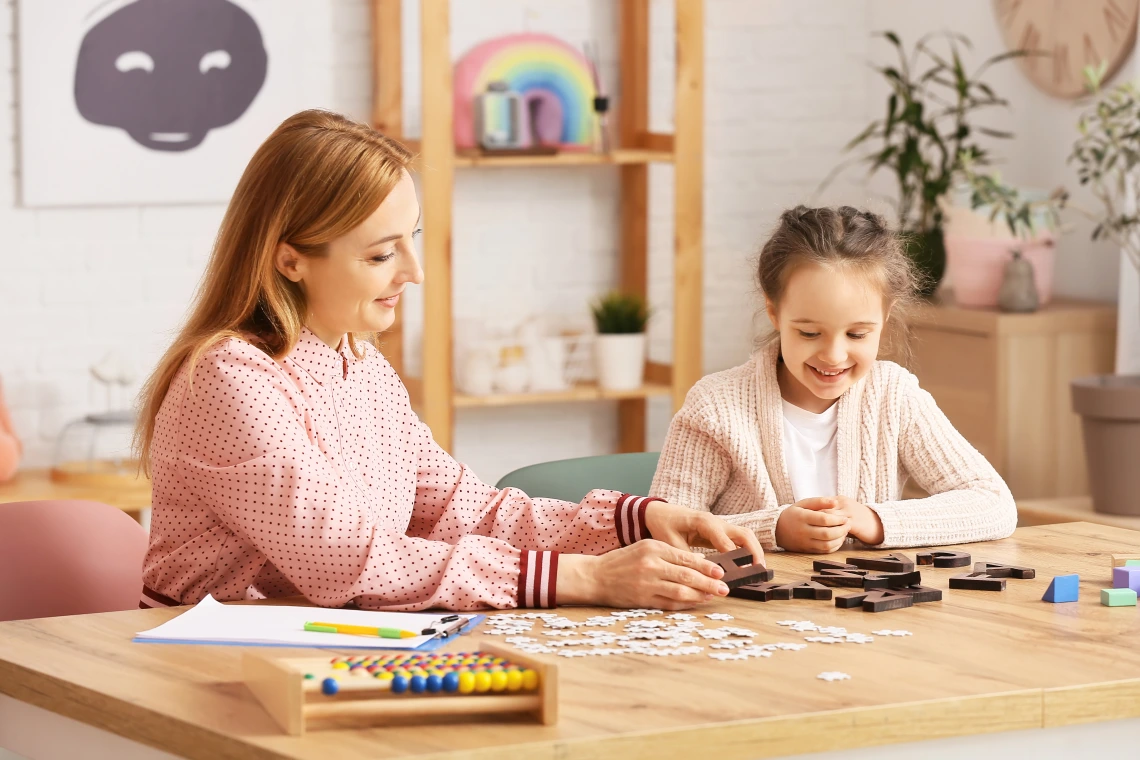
x=312, y=475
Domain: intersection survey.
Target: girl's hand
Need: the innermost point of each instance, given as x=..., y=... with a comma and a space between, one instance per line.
x=814, y=526
x=648, y=573
x=682, y=527
x=864, y=523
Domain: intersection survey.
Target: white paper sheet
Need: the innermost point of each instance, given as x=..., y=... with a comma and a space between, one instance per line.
x=211, y=622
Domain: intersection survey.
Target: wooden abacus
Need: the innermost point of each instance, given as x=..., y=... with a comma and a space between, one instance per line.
x=359, y=690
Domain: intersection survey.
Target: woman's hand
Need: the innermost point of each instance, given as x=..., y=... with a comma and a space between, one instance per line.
x=682, y=527
x=648, y=573
x=814, y=526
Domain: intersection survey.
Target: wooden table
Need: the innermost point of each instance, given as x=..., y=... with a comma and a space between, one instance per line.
x=978, y=662
x=35, y=485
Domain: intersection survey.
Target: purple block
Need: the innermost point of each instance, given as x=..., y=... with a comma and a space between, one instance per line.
x=1126, y=577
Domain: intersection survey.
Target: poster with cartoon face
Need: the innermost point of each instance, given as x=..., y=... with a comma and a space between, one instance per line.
x=126, y=102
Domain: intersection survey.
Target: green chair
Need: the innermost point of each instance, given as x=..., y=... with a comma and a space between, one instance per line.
x=572, y=479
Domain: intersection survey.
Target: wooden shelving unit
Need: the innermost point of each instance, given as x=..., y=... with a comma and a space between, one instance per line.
x=434, y=394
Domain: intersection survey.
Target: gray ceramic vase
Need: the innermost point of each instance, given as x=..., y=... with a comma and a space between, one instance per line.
x=1018, y=291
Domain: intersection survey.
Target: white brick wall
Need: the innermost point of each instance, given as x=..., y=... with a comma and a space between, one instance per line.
x=786, y=87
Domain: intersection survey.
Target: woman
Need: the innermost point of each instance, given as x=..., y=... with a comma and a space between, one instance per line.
x=284, y=453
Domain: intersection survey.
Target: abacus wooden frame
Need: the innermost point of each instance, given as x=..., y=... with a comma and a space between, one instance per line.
x=278, y=684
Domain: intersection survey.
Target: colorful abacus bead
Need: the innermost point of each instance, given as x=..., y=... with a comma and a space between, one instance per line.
x=329, y=687
x=434, y=683
x=399, y=684
x=466, y=682
x=418, y=683
x=451, y=682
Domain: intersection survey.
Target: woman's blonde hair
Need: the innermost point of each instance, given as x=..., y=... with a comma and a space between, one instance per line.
x=843, y=237
x=318, y=176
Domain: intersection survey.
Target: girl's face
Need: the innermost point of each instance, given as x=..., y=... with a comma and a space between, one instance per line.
x=355, y=287
x=830, y=322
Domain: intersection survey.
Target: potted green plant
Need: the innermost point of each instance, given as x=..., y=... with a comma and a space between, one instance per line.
x=979, y=246
x=619, y=349
x=1107, y=156
x=926, y=129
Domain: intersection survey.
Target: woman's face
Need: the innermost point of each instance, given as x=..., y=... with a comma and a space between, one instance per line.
x=355, y=287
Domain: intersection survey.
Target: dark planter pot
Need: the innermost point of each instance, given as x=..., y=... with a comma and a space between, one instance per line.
x=1109, y=406
x=928, y=252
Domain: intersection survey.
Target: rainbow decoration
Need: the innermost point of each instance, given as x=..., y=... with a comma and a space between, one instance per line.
x=537, y=66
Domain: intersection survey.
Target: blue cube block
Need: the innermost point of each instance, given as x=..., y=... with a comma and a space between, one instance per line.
x=1063, y=588
x=1126, y=577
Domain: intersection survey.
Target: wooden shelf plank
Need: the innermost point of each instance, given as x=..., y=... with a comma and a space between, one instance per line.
x=588, y=392
x=623, y=156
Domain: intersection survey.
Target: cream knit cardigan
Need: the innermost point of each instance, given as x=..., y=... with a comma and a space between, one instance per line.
x=724, y=454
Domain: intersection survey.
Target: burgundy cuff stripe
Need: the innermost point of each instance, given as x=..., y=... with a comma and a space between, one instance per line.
x=538, y=579
x=630, y=518
x=150, y=599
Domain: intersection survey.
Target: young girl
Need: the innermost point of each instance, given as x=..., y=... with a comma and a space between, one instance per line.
x=810, y=441
x=287, y=460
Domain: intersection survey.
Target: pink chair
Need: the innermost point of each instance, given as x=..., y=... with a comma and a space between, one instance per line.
x=68, y=558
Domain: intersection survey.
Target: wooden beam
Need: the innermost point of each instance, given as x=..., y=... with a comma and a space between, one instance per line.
x=387, y=117
x=688, y=194
x=437, y=179
x=387, y=69
x=655, y=141
x=658, y=374
x=633, y=122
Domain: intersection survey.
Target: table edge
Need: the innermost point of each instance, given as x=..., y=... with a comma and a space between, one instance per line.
x=774, y=736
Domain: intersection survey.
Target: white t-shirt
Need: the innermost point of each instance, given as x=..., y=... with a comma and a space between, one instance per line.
x=809, y=451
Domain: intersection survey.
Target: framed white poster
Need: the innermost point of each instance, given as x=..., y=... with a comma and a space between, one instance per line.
x=126, y=102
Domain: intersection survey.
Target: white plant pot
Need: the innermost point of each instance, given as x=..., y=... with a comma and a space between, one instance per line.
x=620, y=361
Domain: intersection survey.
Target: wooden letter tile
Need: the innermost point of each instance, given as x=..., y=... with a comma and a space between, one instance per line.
x=977, y=582
x=887, y=599
x=841, y=578
x=739, y=568
x=891, y=580
x=944, y=559
x=921, y=594
x=804, y=590
x=755, y=592
x=998, y=570
x=892, y=563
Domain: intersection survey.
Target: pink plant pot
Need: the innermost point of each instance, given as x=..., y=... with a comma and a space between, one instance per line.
x=974, y=267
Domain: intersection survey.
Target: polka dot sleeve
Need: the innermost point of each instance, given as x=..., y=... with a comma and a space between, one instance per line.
x=451, y=502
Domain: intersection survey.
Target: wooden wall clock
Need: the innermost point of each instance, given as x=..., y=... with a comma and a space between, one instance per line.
x=1072, y=34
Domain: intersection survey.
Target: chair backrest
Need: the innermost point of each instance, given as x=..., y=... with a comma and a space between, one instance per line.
x=68, y=558
x=572, y=479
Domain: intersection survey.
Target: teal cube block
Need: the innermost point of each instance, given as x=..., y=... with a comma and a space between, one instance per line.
x=1118, y=597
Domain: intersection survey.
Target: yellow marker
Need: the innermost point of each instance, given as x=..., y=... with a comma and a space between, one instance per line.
x=361, y=630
